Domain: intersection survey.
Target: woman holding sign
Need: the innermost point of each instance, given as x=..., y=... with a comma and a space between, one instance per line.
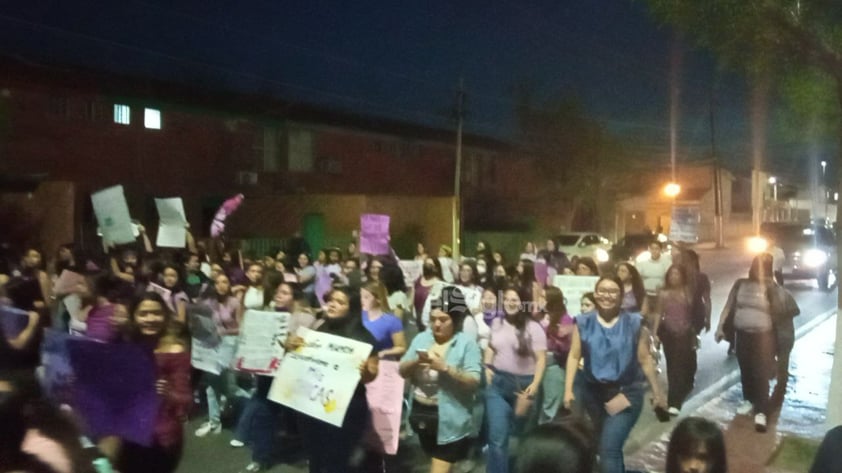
x=444, y=367
x=152, y=325
x=332, y=449
x=617, y=365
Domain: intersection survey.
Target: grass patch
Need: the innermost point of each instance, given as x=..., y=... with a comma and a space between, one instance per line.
x=794, y=454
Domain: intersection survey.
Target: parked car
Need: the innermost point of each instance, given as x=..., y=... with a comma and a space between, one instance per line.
x=581, y=244
x=635, y=246
x=809, y=250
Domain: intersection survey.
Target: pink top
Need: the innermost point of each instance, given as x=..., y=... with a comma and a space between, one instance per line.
x=225, y=314
x=99, y=324
x=676, y=317
x=504, y=342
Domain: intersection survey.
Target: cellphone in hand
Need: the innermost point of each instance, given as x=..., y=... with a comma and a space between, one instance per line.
x=422, y=354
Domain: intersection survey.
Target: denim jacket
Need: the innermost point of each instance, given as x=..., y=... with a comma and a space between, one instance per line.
x=455, y=403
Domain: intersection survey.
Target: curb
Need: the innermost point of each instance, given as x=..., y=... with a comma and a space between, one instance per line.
x=657, y=430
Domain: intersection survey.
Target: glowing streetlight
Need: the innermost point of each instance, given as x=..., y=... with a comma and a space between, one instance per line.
x=672, y=189
x=774, y=182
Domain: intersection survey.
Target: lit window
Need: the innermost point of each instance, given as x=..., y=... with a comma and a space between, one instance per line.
x=152, y=118
x=122, y=114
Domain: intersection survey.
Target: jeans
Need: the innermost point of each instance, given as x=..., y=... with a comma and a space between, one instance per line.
x=680, y=354
x=612, y=431
x=500, y=399
x=552, y=390
x=755, y=352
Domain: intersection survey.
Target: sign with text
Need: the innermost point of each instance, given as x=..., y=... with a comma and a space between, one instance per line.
x=319, y=379
x=374, y=234
x=573, y=288
x=261, y=345
x=412, y=270
x=684, y=225
x=112, y=215
x=172, y=227
x=385, y=400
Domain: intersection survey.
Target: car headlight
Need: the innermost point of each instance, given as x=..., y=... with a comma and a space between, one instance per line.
x=814, y=258
x=757, y=244
x=601, y=255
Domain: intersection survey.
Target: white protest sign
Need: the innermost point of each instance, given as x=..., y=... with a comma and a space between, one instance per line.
x=385, y=400
x=112, y=215
x=204, y=357
x=172, y=231
x=261, y=344
x=573, y=288
x=319, y=379
x=412, y=270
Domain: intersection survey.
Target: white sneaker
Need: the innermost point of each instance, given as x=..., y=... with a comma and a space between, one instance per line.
x=673, y=411
x=760, y=423
x=236, y=443
x=208, y=428
x=745, y=408
x=252, y=467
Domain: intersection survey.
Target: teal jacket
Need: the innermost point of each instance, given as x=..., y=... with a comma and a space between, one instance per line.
x=455, y=403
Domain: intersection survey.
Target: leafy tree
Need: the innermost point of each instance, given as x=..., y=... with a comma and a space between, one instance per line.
x=797, y=41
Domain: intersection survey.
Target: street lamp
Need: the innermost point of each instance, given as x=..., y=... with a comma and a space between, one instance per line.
x=774, y=182
x=672, y=189
x=824, y=190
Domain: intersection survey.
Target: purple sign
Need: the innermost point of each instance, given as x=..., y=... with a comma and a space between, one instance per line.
x=114, y=390
x=12, y=321
x=58, y=374
x=374, y=234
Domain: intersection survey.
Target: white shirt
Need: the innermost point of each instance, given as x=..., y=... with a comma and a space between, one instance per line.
x=653, y=272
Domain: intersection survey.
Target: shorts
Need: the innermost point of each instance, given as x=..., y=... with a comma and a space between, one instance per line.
x=449, y=452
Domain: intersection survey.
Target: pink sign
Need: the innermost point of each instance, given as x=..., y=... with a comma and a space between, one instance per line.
x=374, y=234
x=385, y=400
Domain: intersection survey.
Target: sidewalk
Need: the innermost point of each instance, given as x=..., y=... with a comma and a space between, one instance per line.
x=794, y=432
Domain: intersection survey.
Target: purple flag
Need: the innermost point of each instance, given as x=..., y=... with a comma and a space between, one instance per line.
x=374, y=234
x=12, y=321
x=114, y=390
x=58, y=374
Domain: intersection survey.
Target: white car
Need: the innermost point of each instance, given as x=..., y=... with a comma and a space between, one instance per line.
x=581, y=244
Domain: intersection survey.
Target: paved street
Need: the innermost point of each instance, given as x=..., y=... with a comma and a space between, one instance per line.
x=213, y=455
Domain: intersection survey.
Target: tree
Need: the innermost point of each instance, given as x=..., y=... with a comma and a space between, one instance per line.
x=797, y=41
x=572, y=151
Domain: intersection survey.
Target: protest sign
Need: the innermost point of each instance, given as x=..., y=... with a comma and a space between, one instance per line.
x=12, y=321
x=319, y=379
x=412, y=270
x=204, y=357
x=112, y=215
x=172, y=227
x=165, y=293
x=684, y=225
x=201, y=323
x=73, y=304
x=58, y=374
x=325, y=274
x=67, y=282
x=114, y=389
x=385, y=400
x=574, y=287
x=374, y=234
x=261, y=345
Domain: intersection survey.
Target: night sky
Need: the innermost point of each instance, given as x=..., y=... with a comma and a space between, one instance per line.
x=403, y=59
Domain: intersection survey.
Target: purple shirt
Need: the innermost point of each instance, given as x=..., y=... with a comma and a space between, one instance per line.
x=504, y=342
x=382, y=329
x=99, y=326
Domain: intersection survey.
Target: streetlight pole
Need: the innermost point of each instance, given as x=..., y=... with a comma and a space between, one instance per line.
x=824, y=190
x=457, y=184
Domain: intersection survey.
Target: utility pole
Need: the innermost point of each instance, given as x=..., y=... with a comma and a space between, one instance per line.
x=457, y=184
x=717, y=178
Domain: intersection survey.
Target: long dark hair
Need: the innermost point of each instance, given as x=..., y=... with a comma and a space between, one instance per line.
x=519, y=319
x=555, y=307
x=171, y=326
x=689, y=435
x=761, y=267
x=527, y=277
x=566, y=446
x=636, y=282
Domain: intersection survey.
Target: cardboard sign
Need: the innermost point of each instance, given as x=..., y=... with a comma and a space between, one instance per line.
x=112, y=215
x=374, y=234
x=172, y=229
x=261, y=345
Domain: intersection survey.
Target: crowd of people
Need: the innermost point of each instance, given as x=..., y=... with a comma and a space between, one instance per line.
x=489, y=348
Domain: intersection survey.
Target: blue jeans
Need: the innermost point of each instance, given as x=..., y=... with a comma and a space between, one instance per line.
x=499, y=413
x=552, y=390
x=612, y=431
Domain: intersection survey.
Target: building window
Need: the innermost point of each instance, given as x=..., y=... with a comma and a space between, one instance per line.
x=300, y=150
x=152, y=118
x=122, y=114
x=269, y=149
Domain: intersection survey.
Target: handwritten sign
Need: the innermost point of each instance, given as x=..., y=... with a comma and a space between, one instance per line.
x=112, y=215
x=201, y=323
x=374, y=234
x=412, y=270
x=261, y=345
x=574, y=287
x=204, y=357
x=172, y=231
x=385, y=400
x=320, y=378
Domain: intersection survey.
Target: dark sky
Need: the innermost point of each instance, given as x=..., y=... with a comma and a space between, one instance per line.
x=401, y=59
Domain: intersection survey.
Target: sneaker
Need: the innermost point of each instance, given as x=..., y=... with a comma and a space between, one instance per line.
x=745, y=408
x=251, y=467
x=236, y=443
x=208, y=428
x=760, y=423
x=673, y=411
